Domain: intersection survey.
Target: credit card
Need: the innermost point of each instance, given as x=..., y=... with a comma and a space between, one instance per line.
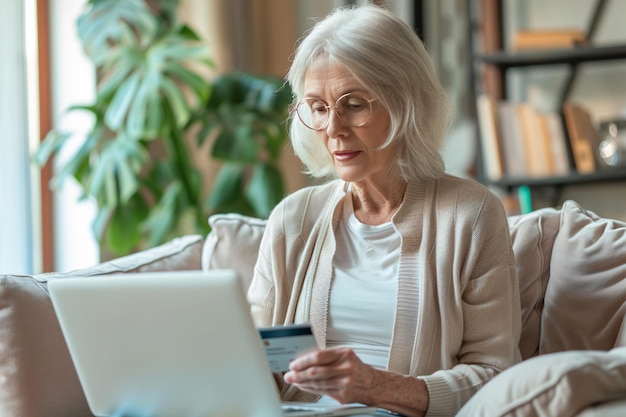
x=283, y=344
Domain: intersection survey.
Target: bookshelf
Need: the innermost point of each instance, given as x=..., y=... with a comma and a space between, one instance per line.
x=491, y=63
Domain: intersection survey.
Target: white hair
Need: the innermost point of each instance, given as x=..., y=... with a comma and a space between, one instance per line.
x=385, y=55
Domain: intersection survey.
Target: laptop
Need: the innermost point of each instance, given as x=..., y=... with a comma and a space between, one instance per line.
x=171, y=344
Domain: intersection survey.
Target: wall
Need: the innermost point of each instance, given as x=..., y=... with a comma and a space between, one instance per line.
x=16, y=240
x=73, y=82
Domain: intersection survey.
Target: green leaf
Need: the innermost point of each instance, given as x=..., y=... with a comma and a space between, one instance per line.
x=123, y=233
x=136, y=122
x=227, y=186
x=240, y=205
x=163, y=215
x=111, y=81
x=176, y=102
x=274, y=135
x=118, y=108
x=78, y=160
x=187, y=32
x=106, y=23
x=177, y=50
x=155, y=117
x=210, y=125
x=51, y=144
x=114, y=178
x=236, y=144
x=100, y=223
x=226, y=89
x=197, y=85
x=265, y=188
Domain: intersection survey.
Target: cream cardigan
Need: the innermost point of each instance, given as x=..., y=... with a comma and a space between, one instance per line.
x=458, y=319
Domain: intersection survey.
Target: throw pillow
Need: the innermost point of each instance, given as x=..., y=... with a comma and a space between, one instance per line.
x=585, y=301
x=559, y=384
x=233, y=244
x=532, y=237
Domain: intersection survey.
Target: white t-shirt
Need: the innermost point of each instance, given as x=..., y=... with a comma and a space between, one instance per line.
x=363, y=290
x=364, y=286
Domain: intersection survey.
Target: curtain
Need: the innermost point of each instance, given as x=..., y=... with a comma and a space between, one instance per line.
x=246, y=35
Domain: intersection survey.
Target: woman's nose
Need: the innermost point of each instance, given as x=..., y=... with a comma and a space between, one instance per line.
x=336, y=124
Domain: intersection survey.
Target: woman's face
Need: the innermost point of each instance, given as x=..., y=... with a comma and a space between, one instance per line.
x=353, y=149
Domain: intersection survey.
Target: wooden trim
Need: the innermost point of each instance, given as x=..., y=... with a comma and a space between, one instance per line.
x=492, y=42
x=45, y=124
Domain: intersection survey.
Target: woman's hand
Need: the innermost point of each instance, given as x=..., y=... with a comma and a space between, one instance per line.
x=336, y=372
x=340, y=374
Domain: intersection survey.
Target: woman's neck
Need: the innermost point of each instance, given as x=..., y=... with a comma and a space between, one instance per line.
x=377, y=203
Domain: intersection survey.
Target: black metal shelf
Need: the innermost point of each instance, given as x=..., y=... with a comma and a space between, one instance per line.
x=574, y=55
x=601, y=176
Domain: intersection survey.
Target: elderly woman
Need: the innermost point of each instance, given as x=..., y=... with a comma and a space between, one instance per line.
x=405, y=273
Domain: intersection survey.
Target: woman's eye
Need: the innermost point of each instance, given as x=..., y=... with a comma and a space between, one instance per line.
x=318, y=107
x=355, y=105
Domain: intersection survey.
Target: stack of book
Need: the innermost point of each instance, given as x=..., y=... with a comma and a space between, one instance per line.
x=519, y=142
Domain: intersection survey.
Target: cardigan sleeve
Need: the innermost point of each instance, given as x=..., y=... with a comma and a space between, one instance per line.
x=262, y=290
x=271, y=293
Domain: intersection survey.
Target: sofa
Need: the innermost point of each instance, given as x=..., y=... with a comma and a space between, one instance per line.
x=571, y=266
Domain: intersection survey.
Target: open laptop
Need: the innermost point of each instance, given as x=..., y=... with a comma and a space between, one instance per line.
x=170, y=345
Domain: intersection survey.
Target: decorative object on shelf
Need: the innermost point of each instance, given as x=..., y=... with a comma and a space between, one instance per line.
x=583, y=137
x=151, y=95
x=612, y=147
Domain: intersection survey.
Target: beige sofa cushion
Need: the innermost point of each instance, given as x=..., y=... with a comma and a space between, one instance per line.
x=532, y=237
x=585, y=301
x=37, y=377
x=559, y=384
x=233, y=244
x=616, y=408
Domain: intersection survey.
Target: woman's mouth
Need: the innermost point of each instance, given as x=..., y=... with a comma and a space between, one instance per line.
x=345, y=155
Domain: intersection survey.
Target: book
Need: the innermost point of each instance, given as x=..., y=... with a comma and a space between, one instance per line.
x=490, y=142
x=552, y=126
x=514, y=150
x=538, y=155
x=548, y=38
x=583, y=136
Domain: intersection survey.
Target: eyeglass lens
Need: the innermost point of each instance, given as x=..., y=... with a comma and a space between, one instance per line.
x=352, y=109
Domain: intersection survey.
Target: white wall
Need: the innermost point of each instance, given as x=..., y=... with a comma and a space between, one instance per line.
x=73, y=82
x=16, y=243
x=310, y=11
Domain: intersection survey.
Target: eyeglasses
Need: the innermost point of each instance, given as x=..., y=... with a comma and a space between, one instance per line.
x=351, y=108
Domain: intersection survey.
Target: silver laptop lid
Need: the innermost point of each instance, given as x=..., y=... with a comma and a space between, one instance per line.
x=165, y=345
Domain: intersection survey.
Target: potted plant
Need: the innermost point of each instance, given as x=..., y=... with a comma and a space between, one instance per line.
x=151, y=96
